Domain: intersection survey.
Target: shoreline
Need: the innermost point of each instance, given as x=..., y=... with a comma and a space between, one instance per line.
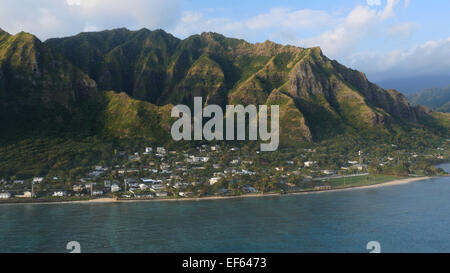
x=250, y=195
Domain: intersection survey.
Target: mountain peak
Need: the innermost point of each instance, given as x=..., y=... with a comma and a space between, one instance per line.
x=3, y=32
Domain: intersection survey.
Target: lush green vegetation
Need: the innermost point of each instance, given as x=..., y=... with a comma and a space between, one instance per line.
x=59, y=119
x=435, y=98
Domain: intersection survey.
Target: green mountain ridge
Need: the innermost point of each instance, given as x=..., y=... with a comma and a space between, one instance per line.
x=60, y=85
x=435, y=98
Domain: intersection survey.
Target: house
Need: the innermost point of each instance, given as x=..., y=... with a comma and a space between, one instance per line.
x=148, y=180
x=204, y=159
x=77, y=188
x=249, y=189
x=322, y=188
x=59, y=193
x=107, y=183
x=290, y=162
x=309, y=163
x=131, y=182
x=95, y=173
x=5, y=195
x=148, y=150
x=115, y=188
x=146, y=195
x=134, y=157
x=38, y=179
x=143, y=187
x=161, y=150
x=26, y=194
x=214, y=148
x=352, y=162
x=248, y=172
x=161, y=194
x=192, y=159
x=359, y=167
x=328, y=172
x=100, y=168
x=164, y=166
x=97, y=192
x=234, y=161
x=17, y=182
x=214, y=180
x=185, y=194
x=157, y=187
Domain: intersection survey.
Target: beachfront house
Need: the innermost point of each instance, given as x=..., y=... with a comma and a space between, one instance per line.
x=26, y=194
x=59, y=193
x=161, y=194
x=5, y=195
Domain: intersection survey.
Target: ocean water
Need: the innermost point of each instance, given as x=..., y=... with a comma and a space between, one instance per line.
x=412, y=217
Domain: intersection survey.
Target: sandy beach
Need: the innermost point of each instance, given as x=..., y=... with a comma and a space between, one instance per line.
x=391, y=183
x=252, y=195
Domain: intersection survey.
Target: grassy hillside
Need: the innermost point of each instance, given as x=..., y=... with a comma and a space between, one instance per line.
x=58, y=88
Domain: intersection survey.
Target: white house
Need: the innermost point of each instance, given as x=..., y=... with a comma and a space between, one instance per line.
x=59, y=193
x=309, y=163
x=38, y=179
x=161, y=150
x=204, y=159
x=234, y=161
x=161, y=194
x=115, y=188
x=148, y=150
x=328, y=172
x=97, y=192
x=214, y=180
x=26, y=194
x=214, y=148
x=249, y=189
x=5, y=195
x=192, y=159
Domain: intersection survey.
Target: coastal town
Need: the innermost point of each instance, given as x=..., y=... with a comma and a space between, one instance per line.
x=214, y=170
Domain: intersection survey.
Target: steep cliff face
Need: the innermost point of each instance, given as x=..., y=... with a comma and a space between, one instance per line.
x=36, y=82
x=318, y=97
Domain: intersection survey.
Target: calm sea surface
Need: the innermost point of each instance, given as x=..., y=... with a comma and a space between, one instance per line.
x=412, y=217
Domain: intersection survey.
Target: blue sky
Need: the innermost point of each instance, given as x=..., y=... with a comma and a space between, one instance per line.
x=383, y=38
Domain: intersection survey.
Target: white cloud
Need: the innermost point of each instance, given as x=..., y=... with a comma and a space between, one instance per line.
x=359, y=24
x=401, y=31
x=53, y=18
x=374, y=2
x=279, y=22
x=289, y=19
x=73, y=2
x=407, y=3
x=429, y=58
x=388, y=11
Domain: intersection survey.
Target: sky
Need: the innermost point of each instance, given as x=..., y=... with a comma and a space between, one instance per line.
x=383, y=38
